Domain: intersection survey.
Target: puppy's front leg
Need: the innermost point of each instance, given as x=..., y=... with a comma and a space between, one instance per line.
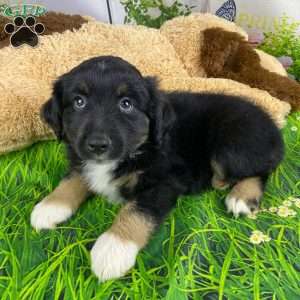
x=115, y=251
x=58, y=206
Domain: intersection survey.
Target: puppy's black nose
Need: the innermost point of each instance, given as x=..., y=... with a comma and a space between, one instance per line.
x=98, y=145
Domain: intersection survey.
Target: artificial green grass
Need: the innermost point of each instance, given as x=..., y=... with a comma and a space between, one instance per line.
x=200, y=252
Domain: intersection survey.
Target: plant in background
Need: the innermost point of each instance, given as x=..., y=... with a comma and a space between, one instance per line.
x=153, y=13
x=284, y=43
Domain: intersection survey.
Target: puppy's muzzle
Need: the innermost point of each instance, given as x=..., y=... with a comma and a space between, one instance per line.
x=98, y=145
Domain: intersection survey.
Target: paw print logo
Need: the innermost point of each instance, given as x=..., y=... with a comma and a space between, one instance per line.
x=24, y=31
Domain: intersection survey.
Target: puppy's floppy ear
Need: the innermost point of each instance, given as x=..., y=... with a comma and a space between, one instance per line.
x=161, y=112
x=51, y=111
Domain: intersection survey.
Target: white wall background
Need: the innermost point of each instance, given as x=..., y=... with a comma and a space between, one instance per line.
x=94, y=8
x=250, y=13
x=262, y=14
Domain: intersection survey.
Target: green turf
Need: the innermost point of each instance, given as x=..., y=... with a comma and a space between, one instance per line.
x=200, y=252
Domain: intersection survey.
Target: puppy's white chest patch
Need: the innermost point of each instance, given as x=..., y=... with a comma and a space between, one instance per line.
x=99, y=177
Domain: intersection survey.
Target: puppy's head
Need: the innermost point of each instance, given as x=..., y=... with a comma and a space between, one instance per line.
x=105, y=110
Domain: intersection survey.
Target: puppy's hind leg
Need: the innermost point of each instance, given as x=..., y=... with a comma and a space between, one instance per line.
x=60, y=205
x=245, y=196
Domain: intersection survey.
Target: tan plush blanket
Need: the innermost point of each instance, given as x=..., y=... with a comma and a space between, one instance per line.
x=27, y=73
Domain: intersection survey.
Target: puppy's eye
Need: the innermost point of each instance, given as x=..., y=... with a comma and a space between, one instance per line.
x=126, y=104
x=79, y=103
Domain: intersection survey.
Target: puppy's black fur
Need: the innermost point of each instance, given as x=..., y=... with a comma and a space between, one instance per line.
x=105, y=110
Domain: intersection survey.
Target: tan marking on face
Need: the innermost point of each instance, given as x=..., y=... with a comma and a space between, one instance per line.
x=71, y=192
x=132, y=225
x=144, y=138
x=122, y=89
x=83, y=87
x=247, y=189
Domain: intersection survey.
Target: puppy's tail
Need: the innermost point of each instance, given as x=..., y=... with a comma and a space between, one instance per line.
x=227, y=55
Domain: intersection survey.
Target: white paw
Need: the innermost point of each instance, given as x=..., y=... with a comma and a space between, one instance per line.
x=237, y=206
x=112, y=257
x=47, y=215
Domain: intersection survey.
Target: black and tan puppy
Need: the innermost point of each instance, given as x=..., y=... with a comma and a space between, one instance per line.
x=133, y=143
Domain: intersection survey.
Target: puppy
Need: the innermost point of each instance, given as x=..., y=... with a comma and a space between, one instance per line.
x=131, y=142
